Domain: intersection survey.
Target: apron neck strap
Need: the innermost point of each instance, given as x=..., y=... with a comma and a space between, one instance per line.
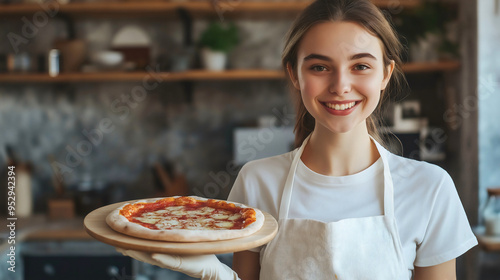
x=286, y=197
x=287, y=191
x=388, y=185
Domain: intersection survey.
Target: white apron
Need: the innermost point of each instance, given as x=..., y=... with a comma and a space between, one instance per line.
x=351, y=249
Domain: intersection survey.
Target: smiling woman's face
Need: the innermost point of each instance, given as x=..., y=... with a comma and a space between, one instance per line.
x=340, y=74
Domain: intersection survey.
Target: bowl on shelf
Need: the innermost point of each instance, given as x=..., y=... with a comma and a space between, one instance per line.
x=107, y=58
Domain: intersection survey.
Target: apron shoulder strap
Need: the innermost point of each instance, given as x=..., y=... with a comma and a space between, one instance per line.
x=286, y=197
x=388, y=185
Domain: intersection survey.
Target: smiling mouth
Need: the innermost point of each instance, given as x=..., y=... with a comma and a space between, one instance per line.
x=340, y=107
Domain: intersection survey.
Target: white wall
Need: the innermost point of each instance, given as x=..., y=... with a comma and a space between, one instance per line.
x=489, y=95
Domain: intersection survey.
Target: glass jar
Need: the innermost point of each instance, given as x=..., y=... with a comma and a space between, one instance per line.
x=492, y=212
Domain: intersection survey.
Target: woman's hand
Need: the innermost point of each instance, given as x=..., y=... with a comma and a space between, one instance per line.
x=206, y=267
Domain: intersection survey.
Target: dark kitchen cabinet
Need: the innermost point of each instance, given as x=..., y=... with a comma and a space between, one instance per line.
x=72, y=260
x=63, y=267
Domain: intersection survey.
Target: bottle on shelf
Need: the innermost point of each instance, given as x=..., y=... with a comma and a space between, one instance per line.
x=492, y=212
x=24, y=195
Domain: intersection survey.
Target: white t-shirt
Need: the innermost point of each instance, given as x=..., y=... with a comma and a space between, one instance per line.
x=432, y=223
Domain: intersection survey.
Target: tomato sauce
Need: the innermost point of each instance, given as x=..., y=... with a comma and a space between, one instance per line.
x=247, y=215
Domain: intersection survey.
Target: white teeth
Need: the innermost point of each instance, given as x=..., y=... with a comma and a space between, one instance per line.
x=340, y=107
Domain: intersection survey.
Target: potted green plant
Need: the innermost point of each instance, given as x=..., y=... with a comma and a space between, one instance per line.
x=216, y=41
x=424, y=29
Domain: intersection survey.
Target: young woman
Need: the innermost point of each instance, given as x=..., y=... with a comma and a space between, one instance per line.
x=347, y=208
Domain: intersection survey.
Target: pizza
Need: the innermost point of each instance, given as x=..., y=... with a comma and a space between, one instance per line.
x=185, y=219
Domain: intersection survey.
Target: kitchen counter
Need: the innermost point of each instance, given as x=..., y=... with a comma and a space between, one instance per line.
x=66, y=241
x=40, y=227
x=46, y=248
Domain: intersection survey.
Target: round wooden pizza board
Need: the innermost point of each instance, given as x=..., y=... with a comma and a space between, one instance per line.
x=96, y=226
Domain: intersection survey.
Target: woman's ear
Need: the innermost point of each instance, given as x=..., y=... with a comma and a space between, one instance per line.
x=387, y=78
x=293, y=76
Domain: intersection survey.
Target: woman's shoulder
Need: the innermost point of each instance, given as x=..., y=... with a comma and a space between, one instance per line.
x=429, y=211
x=274, y=164
x=421, y=171
x=260, y=182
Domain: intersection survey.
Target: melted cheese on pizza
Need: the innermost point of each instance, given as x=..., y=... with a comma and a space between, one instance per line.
x=188, y=213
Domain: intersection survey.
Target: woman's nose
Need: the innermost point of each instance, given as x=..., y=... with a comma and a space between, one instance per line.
x=340, y=83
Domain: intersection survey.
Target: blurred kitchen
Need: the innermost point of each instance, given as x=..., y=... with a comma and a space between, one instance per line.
x=106, y=101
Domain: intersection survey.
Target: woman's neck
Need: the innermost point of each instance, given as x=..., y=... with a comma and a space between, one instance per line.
x=340, y=154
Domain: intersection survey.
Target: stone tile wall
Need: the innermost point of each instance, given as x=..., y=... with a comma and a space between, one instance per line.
x=194, y=131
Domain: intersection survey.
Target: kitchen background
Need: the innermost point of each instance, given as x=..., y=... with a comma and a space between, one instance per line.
x=106, y=101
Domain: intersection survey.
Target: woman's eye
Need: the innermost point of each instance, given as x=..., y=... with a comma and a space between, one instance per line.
x=361, y=67
x=318, y=68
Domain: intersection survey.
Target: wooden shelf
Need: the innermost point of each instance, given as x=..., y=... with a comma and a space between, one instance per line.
x=128, y=8
x=152, y=8
x=421, y=67
x=193, y=75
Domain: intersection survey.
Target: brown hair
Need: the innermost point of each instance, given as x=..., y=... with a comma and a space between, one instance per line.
x=362, y=12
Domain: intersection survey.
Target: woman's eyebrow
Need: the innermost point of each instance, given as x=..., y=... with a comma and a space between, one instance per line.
x=326, y=58
x=362, y=55
x=317, y=56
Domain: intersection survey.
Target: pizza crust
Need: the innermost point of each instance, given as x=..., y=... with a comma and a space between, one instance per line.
x=121, y=224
